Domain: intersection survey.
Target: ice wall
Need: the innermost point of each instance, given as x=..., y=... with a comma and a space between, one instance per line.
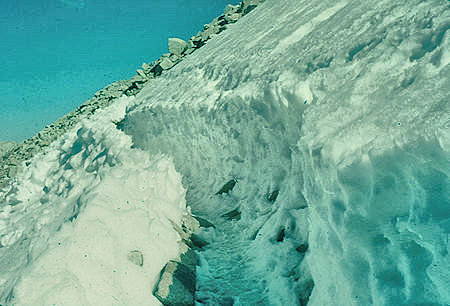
x=343, y=108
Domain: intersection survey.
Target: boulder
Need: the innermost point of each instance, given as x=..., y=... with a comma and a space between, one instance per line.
x=136, y=257
x=166, y=63
x=6, y=146
x=177, y=46
x=273, y=196
x=189, y=257
x=141, y=73
x=203, y=222
x=232, y=18
x=249, y=5
x=235, y=214
x=176, y=285
x=227, y=187
x=198, y=242
x=302, y=248
x=230, y=9
x=211, y=31
x=157, y=70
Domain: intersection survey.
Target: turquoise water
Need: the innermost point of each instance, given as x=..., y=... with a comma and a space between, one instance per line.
x=55, y=54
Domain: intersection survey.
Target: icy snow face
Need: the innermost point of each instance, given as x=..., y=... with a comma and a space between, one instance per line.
x=74, y=215
x=343, y=107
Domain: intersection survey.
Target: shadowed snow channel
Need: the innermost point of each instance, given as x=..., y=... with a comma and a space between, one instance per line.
x=349, y=121
x=340, y=149
x=90, y=222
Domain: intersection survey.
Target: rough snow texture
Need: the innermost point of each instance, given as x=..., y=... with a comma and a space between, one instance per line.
x=70, y=221
x=343, y=107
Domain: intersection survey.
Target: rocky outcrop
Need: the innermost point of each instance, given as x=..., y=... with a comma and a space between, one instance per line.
x=177, y=46
x=176, y=283
x=5, y=147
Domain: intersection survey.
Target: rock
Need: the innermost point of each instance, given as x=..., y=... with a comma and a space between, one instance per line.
x=177, y=46
x=175, y=59
x=235, y=214
x=157, y=70
x=273, y=196
x=198, y=242
x=176, y=285
x=166, y=63
x=6, y=147
x=232, y=18
x=141, y=73
x=189, y=257
x=189, y=224
x=210, y=32
x=302, y=248
x=305, y=288
x=204, y=223
x=228, y=186
x=136, y=257
x=12, y=171
x=281, y=235
x=230, y=9
x=146, y=66
x=197, y=37
x=249, y=5
x=189, y=51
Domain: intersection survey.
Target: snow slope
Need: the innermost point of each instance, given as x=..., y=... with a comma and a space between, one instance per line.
x=342, y=107
x=76, y=213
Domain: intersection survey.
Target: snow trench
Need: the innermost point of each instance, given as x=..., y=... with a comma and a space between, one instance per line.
x=337, y=136
x=317, y=144
x=374, y=230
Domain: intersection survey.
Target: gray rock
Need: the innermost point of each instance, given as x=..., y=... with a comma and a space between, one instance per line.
x=166, y=63
x=13, y=169
x=177, y=46
x=230, y=9
x=141, y=73
x=228, y=186
x=189, y=258
x=136, y=257
x=210, y=32
x=249, y=5
x=146, y=66
x=232, y=18
x=198, y=242
x=235, y=214
x=189, y=51
x=176, y=285
x=6, y=147
x=273, y=196
x=175, y=58
x=203, y=222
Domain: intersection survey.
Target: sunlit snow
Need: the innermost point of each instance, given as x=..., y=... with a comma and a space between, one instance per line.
x=342, y=107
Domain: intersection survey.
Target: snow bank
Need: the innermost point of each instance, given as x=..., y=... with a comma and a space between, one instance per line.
x=76, y=215
x=333, y=119
x=343, y=108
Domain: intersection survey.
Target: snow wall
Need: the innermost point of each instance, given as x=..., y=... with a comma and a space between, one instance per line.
x=342, y=107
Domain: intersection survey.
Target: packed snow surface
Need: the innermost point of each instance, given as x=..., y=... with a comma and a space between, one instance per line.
x=342, y=107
